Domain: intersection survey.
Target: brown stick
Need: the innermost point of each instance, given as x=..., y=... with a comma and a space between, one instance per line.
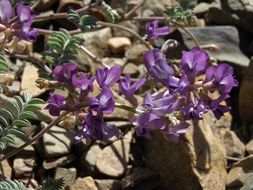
x=35, y=138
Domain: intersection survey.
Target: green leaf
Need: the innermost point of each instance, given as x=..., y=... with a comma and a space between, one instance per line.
x=4, y=121
x=62, y=47
x=32, y=107
x=36, y=101
x=17, y=132
x=6, y=114
x=20, y=102
x=3, y=65
x=110, y=14
x=28, y=115
x=8, y=139
x=21, y=123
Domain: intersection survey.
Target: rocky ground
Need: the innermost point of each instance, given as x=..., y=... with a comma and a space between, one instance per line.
x=215, y=153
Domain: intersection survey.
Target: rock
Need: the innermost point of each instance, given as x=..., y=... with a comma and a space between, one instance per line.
x=118, y=44
x=234, y=147
x=135, y=53
x=23, y=167
x=112, y=161
x=68, y=174
x=131, y=69
x=235, y=177
x=81, y=146
x=231, y=12
x=28, y=85
x=248, y=182
x=57, y=142
x=14, y=89
x=201, y=8
x=95, y=42
x=6, y=169
x=86, y=183
x=43, y=115
x=246, y=164
x=249, y=147
x=196, y=162
x=141, y=179
x=89, y=158
x=117, y=32
x=27, y=151
x=59, y=162
x=108, y=184
x=112, y=61
x=225, y=37
x=153, y=7
x=246, y=95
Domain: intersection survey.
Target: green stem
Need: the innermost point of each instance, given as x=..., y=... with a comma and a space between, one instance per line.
x=124, y=107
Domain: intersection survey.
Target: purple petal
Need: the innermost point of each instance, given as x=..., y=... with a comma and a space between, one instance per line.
x=6, y=11
x=113, y=76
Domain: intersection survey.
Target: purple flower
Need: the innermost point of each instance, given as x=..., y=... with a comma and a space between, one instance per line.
x=195, y=110
x=85, y=83
x=6, y=11
x=104, y=102
x=194, y=62
x=147, y=122
x=217, y=108
x=160, y=104
x=127, y=89
x=154, y=31
x=94, y=127
x=56, y=103
x=23, y=28
x=157, y=66
x=64, y=73
x=220, y=78
x=173, y=132
x=107, y=77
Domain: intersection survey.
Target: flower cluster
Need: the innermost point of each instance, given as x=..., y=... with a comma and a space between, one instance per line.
x=93, y=123
x=20, y=27
x=187, y=93
x=154, y=31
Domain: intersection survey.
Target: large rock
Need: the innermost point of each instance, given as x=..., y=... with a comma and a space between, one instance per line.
x=28, y=85
x=234, y=147
x=225, y=37
x=89, y=158
x=232, y=12
x=248, y=182
x=249, y=147
x=86, y=183
x=58, y=162
x=236, y=177
x=57, y=142
x=196, y=162
x=246, y=164
x=68, y=174
x=140, y=178
x=108, y=184
x=112, y=161
x=23, y=167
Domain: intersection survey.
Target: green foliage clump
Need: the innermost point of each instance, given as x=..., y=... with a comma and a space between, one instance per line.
x=62, y=47
x=16, y=115
x=52, y=184
x=182, y=13
x=84, y=22
x=12, y=185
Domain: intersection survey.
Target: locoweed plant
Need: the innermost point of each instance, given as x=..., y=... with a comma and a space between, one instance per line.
x=179, y=91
